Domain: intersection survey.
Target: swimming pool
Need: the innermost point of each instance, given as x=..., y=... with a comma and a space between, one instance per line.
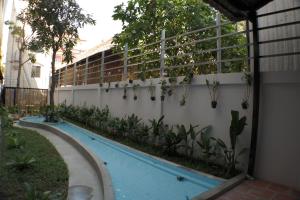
x=135, y=175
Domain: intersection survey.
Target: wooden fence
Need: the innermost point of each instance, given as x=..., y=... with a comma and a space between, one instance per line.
x=25, y=98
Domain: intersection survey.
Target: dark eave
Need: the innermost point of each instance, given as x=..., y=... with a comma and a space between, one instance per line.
x=237, y=10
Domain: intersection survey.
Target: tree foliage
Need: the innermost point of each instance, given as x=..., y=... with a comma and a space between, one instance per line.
x=143, y=22
x=56, y=25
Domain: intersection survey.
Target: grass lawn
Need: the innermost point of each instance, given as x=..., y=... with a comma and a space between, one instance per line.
x=48, y=173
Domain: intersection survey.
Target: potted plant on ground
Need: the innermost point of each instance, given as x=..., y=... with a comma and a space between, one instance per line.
x=213, y=92
x=248, y=80
x=134, y=88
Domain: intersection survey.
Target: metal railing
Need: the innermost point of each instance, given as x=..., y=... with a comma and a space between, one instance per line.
x=221, y=48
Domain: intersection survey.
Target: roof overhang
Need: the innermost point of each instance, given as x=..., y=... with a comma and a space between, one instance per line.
x=238, y=10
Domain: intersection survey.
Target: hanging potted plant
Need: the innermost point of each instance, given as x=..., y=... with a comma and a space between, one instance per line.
x=108, y=87
x=164, y=89
x=187, y=80
x=152, y=91
x=125, y=91
x=248, y=81
x=134, y=88
x=213, y=92
x=116, y=85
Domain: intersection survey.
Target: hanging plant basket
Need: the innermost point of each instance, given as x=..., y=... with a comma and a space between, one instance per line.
x=214, y=104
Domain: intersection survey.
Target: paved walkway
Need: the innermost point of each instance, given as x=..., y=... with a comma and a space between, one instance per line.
x=260, y=190
x=80, y=171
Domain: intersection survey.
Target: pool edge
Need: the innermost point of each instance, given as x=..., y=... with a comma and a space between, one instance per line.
x=96, y=163
x=221, y=189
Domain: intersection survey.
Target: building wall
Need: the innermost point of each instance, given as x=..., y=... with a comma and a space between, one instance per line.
x=11, y=66
x=278, y=149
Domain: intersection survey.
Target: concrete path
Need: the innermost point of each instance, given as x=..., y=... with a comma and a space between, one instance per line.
x=81, y=172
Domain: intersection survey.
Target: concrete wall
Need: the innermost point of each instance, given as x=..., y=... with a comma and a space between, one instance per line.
x=278, y=146
x=278, y=158
x=196, y=111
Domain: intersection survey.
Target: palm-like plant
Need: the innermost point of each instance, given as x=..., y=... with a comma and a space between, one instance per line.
x=14, y=142
x=156, y=128
x=21, y=162
x=230, y=153
x=33, y=194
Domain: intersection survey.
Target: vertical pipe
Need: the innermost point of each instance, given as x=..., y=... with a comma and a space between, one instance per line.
x=162, y=53
x=125, y=72
x=219, y=43
x=86, y=70
x=65, y=76
x=102, y=67
x=256, y=93
x=74, y=74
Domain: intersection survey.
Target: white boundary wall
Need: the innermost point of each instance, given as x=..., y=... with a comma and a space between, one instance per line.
x=196, y=111
x=278, y=146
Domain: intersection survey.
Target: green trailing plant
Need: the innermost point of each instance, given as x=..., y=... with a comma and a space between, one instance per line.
x=173, y=81
x=142, y=74
x=164, y=89
x=125, y=91
x=108, y=87
x=230, y=153
x=187, y=80
x=134, y=89
x=152, y=90
x=248, y=81
x=21, y=162
x=213, y=92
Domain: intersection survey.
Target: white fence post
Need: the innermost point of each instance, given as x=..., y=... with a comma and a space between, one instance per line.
x=162, y=52
x=219, y=43
x=86, y=70
x=125, y=72
x=101, y=78
x=65, y=77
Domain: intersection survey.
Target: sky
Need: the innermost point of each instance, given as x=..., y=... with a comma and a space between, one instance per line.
x=102, y=11
x=105, y=28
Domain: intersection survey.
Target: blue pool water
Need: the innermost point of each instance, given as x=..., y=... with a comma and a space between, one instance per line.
x=136, y=176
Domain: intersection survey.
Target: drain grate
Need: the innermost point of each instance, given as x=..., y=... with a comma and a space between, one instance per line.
x=80, y=192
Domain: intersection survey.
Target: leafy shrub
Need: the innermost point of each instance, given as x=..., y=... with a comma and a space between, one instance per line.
x=21, y=162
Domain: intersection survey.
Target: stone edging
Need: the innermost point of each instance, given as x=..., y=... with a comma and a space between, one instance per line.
x=96, y=163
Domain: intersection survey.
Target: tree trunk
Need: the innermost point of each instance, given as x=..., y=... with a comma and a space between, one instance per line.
x=53, y=79
x=16, y=101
